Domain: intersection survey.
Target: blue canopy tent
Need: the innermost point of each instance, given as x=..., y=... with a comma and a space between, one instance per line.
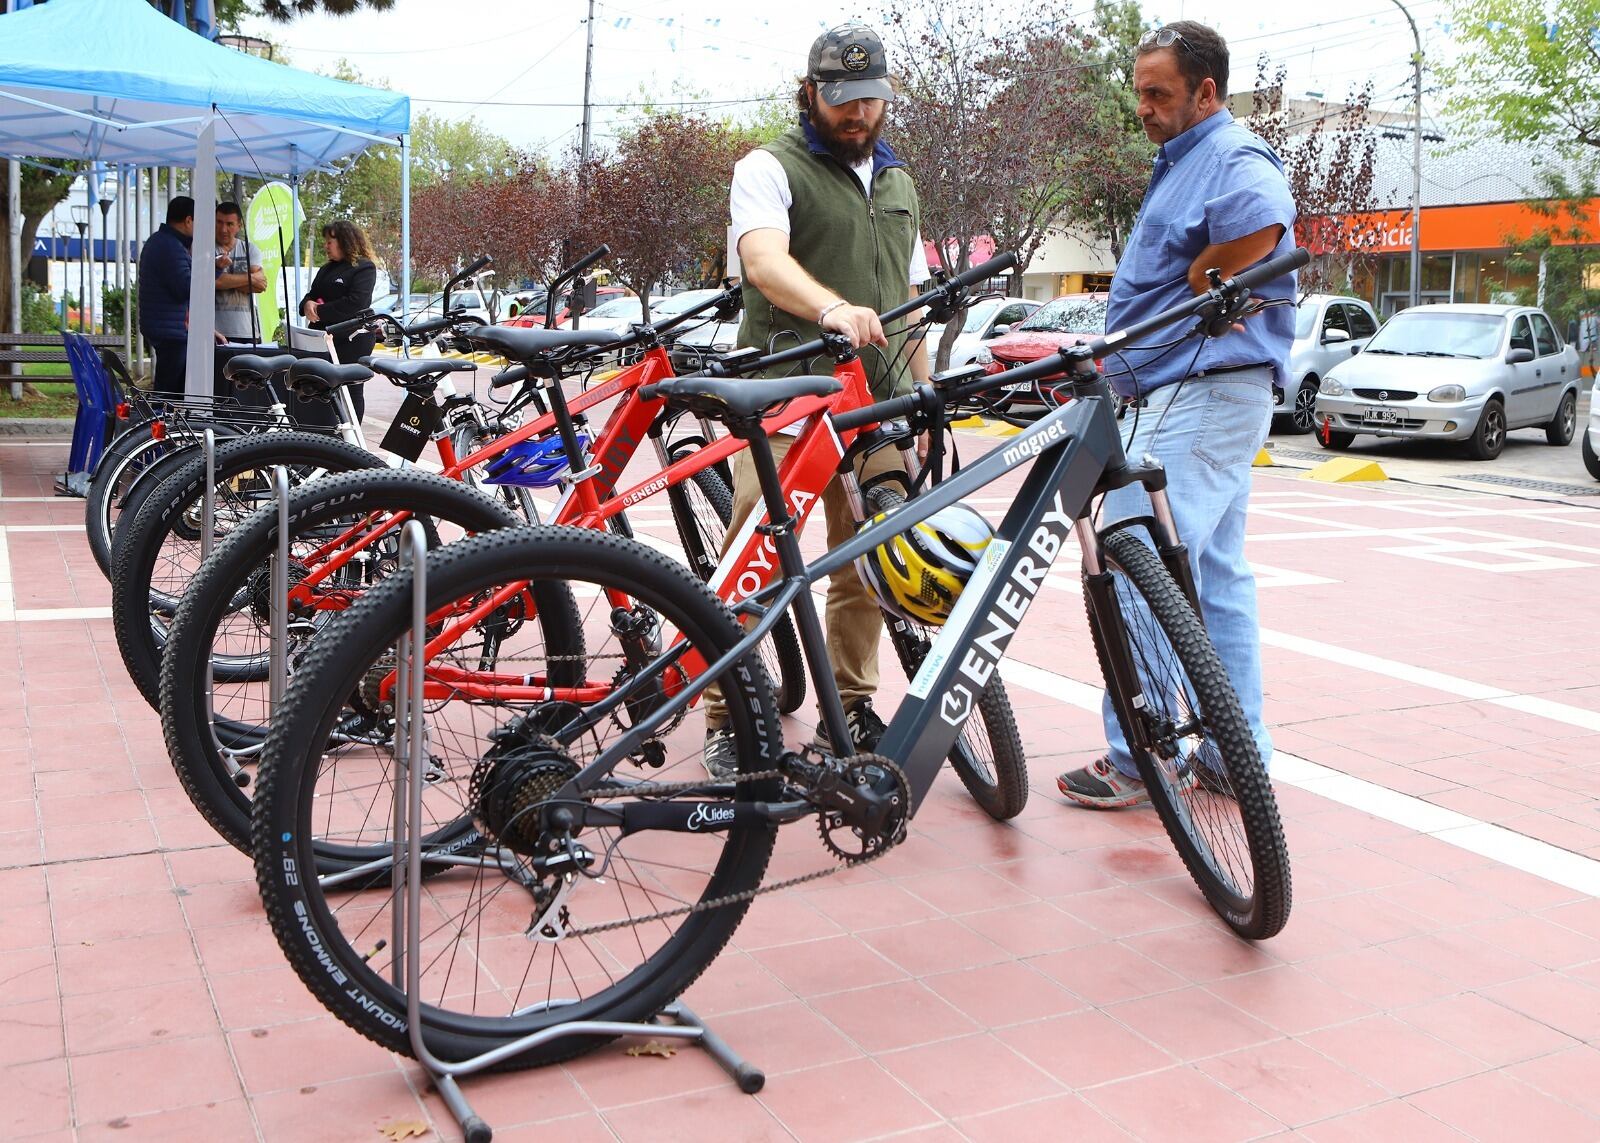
x=117, y=81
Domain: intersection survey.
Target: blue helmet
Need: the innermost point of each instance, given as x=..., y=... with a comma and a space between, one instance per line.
x=535, y=463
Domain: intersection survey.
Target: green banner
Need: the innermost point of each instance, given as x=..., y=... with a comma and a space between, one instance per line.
x=270, y=223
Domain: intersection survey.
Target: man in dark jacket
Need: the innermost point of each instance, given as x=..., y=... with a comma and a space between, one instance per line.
x=164, y=267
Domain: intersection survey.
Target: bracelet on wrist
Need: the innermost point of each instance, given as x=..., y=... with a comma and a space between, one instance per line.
x=828, y=309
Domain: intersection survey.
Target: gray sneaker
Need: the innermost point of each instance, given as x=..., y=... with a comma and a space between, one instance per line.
x=721, y=755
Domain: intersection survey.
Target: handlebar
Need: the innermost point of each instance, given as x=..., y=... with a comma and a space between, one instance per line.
x=340, y=327
x=892, y=409
x=586, y=261
x=479, y=263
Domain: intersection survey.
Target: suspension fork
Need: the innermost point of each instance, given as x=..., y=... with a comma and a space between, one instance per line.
x=1111, y=634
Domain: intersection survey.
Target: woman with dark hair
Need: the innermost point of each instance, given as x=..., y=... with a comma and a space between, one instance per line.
x=341, y=290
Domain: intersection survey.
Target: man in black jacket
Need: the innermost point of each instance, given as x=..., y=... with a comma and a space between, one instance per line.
x=164, y=267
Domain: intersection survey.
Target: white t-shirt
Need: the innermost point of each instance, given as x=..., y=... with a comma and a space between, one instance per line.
x=760, y=200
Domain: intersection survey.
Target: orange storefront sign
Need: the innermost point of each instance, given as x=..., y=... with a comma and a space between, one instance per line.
x=1482, y=226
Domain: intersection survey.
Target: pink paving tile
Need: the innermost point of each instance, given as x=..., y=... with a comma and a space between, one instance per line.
x=117, y=918
x=351, y=1111
x=959, y=891
x=508, y=1099
x=229, y=1119
x=1124, y=911
x=27, y=926
x=112, y=877
x=786, y=1037
x=1292, y=1083
x=1395, y=1055
x=28, y=974
x=782, y=919
x=1032, y=929
x=132, y=1017
x=1568, y=1005
x=1443, y=902
x=263, y=999
x=1083, y=1049
x=969, y=1076
x=927, y=947
x=611, y=1078
x=153, y=1077
x=108, y=839
x=1568, y=1076
x=1107, y=973
x=237, y=948
x=999, y=995
x=834, y=964
x=1059, y=1117
x=585, y=1128
x=38, y=1099
x=857, y=908
x=901, y=1014
x=222, y=903
x=842, y=1103
x=1204, y=952
x=1392, y=1120
x=304, y=1052
x=209, y=865
x=1289, y=999
x=1179, y=1104
x=1380, y=978
x=1580, y=916
x=1493, y=1107
x=1191, y=1023
x=1463, y=959
x=32, y=1032
x=105, y=966
x=735, y=982
x=684, y=1118
x=1482, y=1028
x=1136, y=862
x=1057, y=875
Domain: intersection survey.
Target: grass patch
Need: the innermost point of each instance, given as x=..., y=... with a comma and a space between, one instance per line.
x=47, y=369
x=55, y=399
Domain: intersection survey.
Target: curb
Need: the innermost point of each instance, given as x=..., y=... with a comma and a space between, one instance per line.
x=36, y=427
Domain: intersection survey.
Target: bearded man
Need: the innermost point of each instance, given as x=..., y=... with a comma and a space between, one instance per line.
x=828, y=231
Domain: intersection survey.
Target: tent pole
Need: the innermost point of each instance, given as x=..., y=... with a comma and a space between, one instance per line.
x=14, y=243
x=143, y=184
x=295, y=219
x=130, y=184
x=405, y=226
x=202, y=349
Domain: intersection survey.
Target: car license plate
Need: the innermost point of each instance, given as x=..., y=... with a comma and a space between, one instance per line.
x=1380, y=415
x=1019, y=387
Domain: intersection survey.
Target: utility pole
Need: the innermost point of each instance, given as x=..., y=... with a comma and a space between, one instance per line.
x=588, y=79
x=1416, y=161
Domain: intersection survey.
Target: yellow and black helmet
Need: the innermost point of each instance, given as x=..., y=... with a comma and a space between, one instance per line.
x=919, y=574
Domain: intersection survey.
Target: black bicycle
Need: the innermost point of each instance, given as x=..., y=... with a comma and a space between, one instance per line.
x=609, y=872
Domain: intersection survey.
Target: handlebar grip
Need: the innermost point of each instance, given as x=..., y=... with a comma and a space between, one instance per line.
x=654, y=390
x=892, y=409
x=983, y=271
x=509, y=377
x=342, y=327
x=1267, y=271
x=422, y=328
x=479, y=263
x=588, y=260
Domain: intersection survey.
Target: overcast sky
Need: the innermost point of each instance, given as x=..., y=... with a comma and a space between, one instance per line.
x=517, y=65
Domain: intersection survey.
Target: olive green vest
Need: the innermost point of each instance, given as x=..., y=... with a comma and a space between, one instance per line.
x=859, y=248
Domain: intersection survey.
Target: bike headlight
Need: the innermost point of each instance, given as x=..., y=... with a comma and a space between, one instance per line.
x=1331, y=388
x=984, y=357
x=1447, y=393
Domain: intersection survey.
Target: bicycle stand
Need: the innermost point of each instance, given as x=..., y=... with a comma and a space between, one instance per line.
x=406, y=968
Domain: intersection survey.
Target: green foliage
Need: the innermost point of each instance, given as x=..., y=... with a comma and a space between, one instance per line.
x=286, y=10
x=1571, y=268
x=113, y=305
x=39, y=312
x=1519, y=80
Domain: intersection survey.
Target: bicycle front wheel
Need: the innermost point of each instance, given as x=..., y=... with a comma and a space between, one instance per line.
x=1203, y=770
x=540, y=923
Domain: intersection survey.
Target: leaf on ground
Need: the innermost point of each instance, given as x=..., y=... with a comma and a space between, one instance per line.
x=653, y=1048
x=404, y=1129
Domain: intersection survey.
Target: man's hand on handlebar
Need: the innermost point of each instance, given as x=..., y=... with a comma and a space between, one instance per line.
x=858, y=323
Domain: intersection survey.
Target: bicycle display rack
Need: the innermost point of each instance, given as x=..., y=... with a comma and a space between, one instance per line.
x=406, y=968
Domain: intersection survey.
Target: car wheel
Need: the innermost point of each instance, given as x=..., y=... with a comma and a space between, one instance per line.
x=1303, y=417
x=1590, y=460
x=1335, y=439
x=1489, y=438
x=1561, y=427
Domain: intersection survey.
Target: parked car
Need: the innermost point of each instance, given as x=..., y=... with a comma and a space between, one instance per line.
x=618, y=315
x=1068, y=320
x=1591, y=438
x=1455, y=372
x=985, y=319
x=1327, y=331
x=534, y=315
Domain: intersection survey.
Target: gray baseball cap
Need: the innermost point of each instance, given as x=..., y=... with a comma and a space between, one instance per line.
x=848, y=62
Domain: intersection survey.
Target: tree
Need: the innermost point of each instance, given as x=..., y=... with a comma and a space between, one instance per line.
x=1527, y=74
x=42, y=189
x=1561, y=249
x=286, y=10
x=1115, y=179
x=1330, y=162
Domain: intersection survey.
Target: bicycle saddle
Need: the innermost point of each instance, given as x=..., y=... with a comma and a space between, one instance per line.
x=518, y=344
x=312, y=379
x=251, y=370
x=740, y=399
x=419, y=372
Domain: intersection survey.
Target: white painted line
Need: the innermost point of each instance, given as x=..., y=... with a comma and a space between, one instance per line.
x=40, y=500
x=52, y=614
x=75, y=526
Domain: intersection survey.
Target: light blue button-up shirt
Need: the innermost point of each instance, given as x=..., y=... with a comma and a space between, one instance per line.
x=1214, y=183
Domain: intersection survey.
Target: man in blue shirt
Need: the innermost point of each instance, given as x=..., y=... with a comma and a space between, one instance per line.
x=1217, y=199
x=164, y=266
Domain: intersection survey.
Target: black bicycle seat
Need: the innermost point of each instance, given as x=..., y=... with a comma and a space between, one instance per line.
x=516, y=343
x=251, y=370
x=313, y=379
x=743, y=399
x=420, y=371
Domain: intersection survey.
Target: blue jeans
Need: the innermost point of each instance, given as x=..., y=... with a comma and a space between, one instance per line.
x=1206, y=431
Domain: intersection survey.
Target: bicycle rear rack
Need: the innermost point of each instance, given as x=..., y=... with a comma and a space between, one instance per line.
x=406, y=967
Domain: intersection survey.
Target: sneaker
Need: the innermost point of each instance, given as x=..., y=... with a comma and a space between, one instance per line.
x=866, y=729
x=721, y=756
x=1101, y=786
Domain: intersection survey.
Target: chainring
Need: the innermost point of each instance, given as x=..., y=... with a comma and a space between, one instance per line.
x=854, y=844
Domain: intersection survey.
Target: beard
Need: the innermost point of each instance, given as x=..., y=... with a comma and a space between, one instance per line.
x=848, y=151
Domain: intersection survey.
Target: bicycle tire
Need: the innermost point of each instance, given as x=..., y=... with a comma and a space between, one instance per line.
x=701, y=532
x=139, y=489
x=1184, y=803
x=352, y=978
x=139, y=610
x=988, y=757
x=201, y=717
x=123, y=461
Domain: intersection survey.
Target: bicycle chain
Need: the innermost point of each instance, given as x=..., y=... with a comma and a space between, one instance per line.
x=728, y=898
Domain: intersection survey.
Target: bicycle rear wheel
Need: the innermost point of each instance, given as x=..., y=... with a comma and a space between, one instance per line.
x=1203, y=772
x=509, y=946
x=988, y=755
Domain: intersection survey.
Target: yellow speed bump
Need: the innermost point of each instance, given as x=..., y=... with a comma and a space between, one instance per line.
x=1346, y=470
x=972, y=422
x=1263, y=460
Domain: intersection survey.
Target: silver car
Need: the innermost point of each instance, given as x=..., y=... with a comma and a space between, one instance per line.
x=1328, y=330
x=1455, y=372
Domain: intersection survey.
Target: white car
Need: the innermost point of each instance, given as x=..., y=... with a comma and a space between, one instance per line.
x=1327, y=331
x=1591, y=437
x=620, y=314
x=1457, y=372
x=986, y=319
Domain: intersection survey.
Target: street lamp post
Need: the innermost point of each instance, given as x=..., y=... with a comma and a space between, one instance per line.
x=108, y=196
x=80, y=219
x=1416, y=160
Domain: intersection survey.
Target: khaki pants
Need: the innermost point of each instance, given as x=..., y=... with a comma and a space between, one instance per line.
x=854, y=620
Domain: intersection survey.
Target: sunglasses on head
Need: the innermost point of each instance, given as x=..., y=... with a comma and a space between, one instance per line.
x=1165, y=38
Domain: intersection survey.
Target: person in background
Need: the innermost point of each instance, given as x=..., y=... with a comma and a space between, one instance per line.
x=238, y=276
x=341, y=290
x=164, y=267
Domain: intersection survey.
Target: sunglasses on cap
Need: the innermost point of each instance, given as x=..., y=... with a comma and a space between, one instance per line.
x=1165, y=38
